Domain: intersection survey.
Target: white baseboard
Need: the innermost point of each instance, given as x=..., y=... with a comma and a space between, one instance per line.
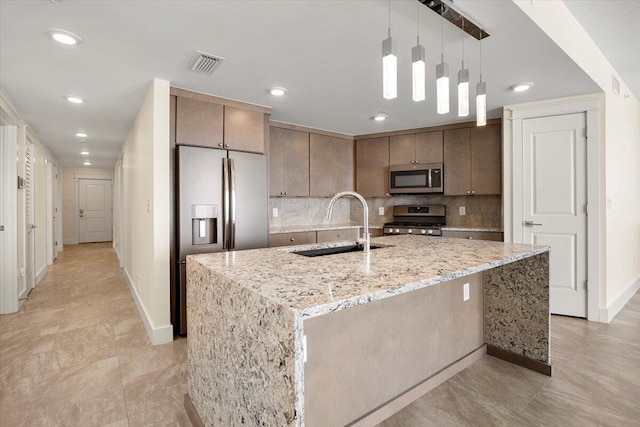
x=41, y=274
x=115, y=251
x=60, y=248
x=70, y=242
x=607, y=314
x=157, y=335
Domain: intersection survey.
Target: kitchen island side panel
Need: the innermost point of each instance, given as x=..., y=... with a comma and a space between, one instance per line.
x=240, y=353
x=516, y=302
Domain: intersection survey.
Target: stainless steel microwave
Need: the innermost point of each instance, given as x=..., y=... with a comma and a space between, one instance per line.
x=416, y=179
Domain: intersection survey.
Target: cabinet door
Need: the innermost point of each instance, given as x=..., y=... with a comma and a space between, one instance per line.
x=243, y=130
x=342, y=165
x=276, y=159
x=402, y=149
x=486, y=160
x=429, y=147
x=198, y=123
x=290, y=239
x=350, y=234
x=295, y=163
x=372, y=166
x=457, y=162
x=321, y=155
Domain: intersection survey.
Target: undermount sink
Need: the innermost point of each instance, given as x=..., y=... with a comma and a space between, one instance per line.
x=336, y=250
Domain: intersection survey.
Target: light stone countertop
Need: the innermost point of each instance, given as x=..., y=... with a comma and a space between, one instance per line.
x=471, y=228
x=313, y=286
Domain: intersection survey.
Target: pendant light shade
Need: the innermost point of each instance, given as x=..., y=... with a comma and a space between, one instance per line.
x=389, y=69
x=481, y=103
x=442, y=87
x=463, y=92
x=418, y=72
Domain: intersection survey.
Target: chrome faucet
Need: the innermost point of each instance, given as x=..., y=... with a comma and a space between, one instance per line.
x=366, y=238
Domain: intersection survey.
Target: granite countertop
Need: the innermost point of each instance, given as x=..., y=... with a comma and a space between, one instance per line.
x=316, y=227
x=318, y=285
x=470, y=228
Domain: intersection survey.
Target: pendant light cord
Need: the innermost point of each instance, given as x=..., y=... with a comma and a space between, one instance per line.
x=480, y=55
x=389, y=28
x=462, y=43
x=442, y=38
x=418, y=21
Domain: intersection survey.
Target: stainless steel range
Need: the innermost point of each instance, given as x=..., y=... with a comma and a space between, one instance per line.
x=411, y=219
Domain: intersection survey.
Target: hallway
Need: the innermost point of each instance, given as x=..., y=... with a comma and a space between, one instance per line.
x=77, y=353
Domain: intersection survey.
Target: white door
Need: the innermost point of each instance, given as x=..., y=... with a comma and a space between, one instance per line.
x=94, y=210
x=555, y=204
x=54, y=213
x=29, y=211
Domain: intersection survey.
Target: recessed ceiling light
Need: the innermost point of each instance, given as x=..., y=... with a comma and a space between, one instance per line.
x=81, y=135
x=84, y=153
x=381, y=116
x=87, y=163
x=65, y=37
x=521, y=87
x=74, y=99
x=277, y=91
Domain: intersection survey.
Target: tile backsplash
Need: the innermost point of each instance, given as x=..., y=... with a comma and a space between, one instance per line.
x=481, y=211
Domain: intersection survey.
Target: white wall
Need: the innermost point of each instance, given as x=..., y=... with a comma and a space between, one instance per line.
x=146, y=211
x=620, y=133
x=69, y=194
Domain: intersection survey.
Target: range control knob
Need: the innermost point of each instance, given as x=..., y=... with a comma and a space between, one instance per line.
x=423, y=231
x=430, y=232
x=389, y=230
x=397, y=231
x=410, y=231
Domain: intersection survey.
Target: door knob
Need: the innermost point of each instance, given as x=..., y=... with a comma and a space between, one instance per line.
x=530, y=224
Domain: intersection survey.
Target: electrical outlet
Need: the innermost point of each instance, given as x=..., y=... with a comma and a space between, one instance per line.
x=465, y=292
x=381, y=211
x=462, y=210
x=274, y=212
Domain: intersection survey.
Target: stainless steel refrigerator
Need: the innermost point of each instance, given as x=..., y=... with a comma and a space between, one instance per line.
x=221, y=205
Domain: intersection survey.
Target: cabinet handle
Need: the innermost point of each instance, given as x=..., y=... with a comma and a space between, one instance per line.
x=338, y=235
x=470, y=238
x=417, y=162
x=226, y=145
x=285, y=193
x=473, y=191
x=468, y=191
x=220, y=144
x=291, y=239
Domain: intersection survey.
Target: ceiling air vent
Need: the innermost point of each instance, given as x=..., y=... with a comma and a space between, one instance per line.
x=204, y=63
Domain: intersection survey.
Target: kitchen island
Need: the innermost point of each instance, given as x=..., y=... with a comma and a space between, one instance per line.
x=276, y=338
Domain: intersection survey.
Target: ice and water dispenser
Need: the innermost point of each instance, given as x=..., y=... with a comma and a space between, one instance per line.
x=204, y=224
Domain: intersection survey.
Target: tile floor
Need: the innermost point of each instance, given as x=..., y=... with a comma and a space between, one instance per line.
x=77, y=354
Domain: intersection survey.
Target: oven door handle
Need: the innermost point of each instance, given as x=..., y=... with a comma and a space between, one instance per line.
x=429, y=172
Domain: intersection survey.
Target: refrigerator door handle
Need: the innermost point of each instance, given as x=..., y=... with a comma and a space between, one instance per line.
x=225, y=203
x=232, y=192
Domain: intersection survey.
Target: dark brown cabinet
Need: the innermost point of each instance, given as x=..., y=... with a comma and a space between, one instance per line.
x=417, y=148
x=473, y=161
x=372, y=167
x=474, y=235
x=243, y=130
x=330, y=165
x=288, y=163
x=290, y=239
x=199, y=123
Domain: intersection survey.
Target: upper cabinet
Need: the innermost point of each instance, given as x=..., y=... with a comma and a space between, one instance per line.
x=288, y=162
x=331, y=165
x=206, y=123
x=372, y=167
x=244, y=130
x=472, y=161
x=417, y=148
x=199, y=123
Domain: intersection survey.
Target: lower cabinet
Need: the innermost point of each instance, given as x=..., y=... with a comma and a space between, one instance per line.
x=325, y=236
x=474, y=235
x=307, y=237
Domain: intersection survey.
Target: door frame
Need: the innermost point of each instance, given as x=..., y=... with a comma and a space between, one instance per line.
x=512, y=184
x=9, y=302
x=76, y=178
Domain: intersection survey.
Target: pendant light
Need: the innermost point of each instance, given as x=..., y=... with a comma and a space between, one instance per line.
x=481, y=95
x=418, y=64
x=463, y=85
x=389, y=65
x=442, y=79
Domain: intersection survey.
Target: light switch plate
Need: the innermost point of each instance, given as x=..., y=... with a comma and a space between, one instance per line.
x=274, y=212
x=381, y=210
x=465, y=292
x=462, y=210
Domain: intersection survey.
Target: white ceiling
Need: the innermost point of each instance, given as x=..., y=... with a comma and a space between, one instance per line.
x=614, y=26
x=326, y=53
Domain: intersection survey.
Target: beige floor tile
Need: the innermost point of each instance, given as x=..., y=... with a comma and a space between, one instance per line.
x=165, y=387
x=153, y=359
x=81, y=346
